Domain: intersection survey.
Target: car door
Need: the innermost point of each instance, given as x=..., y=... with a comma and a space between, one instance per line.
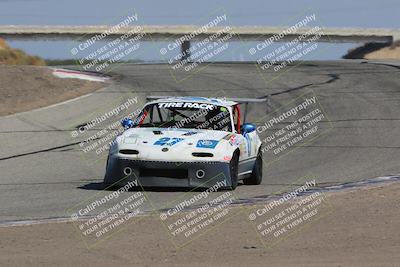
x=242, y=141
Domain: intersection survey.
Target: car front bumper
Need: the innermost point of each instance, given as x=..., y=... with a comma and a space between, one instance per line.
x=119, y=171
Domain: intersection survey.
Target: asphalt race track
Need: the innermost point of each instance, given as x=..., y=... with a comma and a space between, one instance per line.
x=44, y=171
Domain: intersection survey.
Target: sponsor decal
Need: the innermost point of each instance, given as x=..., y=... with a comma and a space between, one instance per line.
x=131, y=139
x=207, y=143
x=227, y=158
x=189, y=133
x=248, y=143
x=186, y=105
x=234, y=140
x=228, y=136
x=166, y=141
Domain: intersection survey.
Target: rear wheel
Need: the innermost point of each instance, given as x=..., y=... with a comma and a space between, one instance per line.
x=256, y=175
x=234, y=169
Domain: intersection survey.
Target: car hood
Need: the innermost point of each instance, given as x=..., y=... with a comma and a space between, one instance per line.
x=153, y=135
x=174, y=144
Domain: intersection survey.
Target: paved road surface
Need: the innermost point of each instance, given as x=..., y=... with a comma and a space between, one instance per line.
x=44, y=171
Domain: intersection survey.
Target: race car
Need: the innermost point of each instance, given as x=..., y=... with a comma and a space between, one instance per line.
x=187, y=142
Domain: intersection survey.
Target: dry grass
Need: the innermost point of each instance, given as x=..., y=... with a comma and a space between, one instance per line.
x=11, y=56
x=375, y=51
x=390, y=52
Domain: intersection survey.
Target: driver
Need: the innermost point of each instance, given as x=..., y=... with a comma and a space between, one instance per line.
x=213, y=116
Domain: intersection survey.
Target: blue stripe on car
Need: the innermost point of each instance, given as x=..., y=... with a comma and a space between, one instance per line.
x=207, y=143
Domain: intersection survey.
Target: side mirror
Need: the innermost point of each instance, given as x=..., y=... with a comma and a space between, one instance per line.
x=127, y=123
x=247, y=128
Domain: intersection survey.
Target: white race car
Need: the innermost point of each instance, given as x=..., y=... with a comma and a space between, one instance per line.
x=186, y=142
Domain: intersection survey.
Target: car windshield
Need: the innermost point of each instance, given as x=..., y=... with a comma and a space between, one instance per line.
x=185, y=115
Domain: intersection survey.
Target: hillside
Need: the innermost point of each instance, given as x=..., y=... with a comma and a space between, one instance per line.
x=12, y=56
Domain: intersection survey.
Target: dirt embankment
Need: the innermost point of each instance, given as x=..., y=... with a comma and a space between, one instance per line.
x=12, y=56
x=375, y=51
x=24, y=88
x=362, y=230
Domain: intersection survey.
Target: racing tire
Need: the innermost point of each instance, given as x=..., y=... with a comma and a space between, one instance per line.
x=234, y=170
x=256, y=175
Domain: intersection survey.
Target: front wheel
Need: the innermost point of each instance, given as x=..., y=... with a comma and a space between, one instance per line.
x=233, y=170
x=256, y=175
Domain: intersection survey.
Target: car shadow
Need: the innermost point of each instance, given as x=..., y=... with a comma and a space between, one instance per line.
x=104, y=187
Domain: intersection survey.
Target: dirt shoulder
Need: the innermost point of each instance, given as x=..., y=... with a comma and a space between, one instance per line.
x=375, y=51
x=23, y=88
x=391, y=52
x=362, y=230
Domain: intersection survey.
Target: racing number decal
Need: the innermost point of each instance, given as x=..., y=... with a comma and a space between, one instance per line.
x=166, y=141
